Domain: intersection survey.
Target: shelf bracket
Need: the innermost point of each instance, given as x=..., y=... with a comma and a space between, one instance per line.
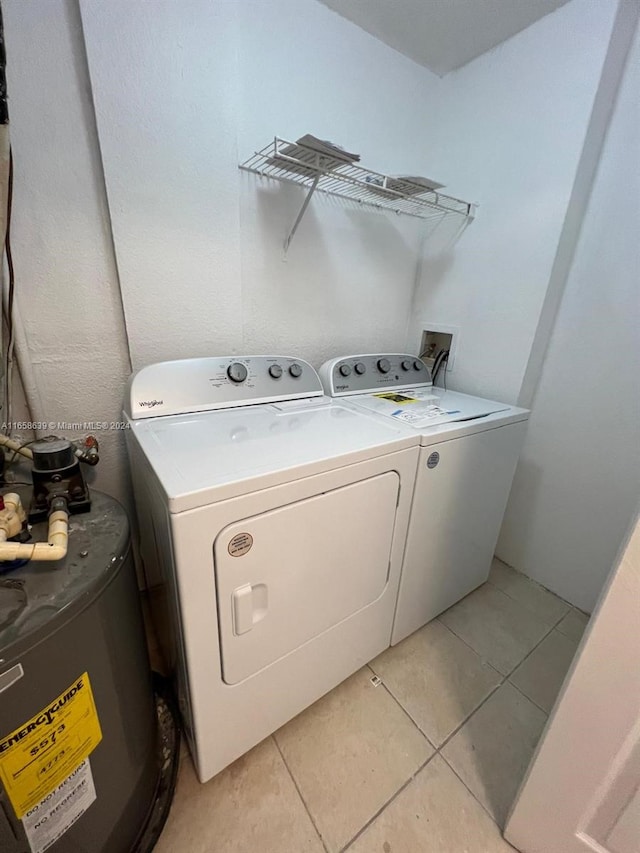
x=301, y=213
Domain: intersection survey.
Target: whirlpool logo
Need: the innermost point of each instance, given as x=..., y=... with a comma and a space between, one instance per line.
x=150, y=404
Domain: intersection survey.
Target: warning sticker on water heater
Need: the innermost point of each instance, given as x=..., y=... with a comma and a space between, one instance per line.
x=44, y=751
x=59, y=810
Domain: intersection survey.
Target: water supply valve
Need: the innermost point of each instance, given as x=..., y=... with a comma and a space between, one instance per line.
x=56, y=474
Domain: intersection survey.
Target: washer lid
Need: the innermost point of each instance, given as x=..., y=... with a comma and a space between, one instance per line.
x=210, y=456
x=430, y=410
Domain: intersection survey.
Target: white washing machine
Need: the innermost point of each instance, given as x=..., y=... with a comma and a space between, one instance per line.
x=273, y=522
x=468, y=456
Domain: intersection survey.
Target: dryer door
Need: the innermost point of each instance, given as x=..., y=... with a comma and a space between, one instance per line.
x=285, y=576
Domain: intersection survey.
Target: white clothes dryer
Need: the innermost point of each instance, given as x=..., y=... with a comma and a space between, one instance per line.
x=273, y=522
x=468, y=456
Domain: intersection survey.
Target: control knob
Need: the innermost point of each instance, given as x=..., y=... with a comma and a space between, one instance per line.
x=417, y=365
x=295, y=370
x=384, y=365
x=275, y=371
x=406, y=364
x=237, y=372
x=345, y=370
x=360, y=368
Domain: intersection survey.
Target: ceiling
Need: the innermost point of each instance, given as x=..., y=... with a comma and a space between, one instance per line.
x=443, y=34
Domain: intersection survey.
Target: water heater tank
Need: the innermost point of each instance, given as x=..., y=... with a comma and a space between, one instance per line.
x=78, y=727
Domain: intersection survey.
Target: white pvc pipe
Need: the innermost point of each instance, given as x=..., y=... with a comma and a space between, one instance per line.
x=55, y=548
x=9, y=443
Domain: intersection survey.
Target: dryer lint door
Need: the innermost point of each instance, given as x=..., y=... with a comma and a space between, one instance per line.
x=287, y=575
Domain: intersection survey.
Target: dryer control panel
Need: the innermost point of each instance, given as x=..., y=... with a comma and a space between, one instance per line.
x=205, y=384
x=360, y=374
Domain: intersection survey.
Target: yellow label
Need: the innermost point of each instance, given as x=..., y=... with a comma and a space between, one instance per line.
x=401, y=399
x=44, y=751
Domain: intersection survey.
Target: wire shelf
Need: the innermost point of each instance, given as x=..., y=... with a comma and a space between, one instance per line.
x=296, y=163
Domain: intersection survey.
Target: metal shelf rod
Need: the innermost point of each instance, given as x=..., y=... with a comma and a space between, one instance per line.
x=346, y=179
x=302, y=212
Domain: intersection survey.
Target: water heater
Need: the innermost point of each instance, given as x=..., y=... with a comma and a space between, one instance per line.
x=79, y=770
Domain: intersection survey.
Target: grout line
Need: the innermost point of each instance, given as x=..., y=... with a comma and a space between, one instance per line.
x=297, y=787
x=415, y=722
x=524, y=606
x=402, y=708
x=480, y=803
x=482, y=659
x=516, y=668
x=387, y=803
x=475, y=651
x=457, y=729
x=533, y=702
x=437, y=750
x=531, y=581
x=510, y=673
x=568, y=636
x=504, y=679
x=468, y=717
x=528, y=655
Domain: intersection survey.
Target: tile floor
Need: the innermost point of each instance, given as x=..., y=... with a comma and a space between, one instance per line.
x=428, y=760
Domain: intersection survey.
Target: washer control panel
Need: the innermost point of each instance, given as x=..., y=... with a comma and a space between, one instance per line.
x=204, y=384
x=360, y=374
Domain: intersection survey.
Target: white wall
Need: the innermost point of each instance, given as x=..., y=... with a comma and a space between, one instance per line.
x=576, y=489
x=66, y=280
x=182, y=93
x=348, y=281
x=510, y=138
x=164, y=87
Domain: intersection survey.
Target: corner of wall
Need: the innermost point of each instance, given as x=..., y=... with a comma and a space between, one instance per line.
x=622, y=34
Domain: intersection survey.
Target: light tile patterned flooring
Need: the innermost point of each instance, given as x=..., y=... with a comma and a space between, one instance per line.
x=428, y=760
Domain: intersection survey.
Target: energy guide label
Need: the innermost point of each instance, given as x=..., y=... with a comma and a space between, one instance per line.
x=45, y=751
